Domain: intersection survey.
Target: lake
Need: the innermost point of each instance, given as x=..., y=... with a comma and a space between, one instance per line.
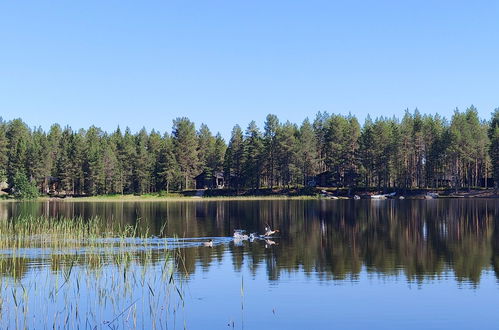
x=335, y=264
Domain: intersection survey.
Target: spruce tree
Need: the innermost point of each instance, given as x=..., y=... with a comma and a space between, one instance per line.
x=18, y=137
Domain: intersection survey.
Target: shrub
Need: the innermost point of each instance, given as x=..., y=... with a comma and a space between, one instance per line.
x=23, y=188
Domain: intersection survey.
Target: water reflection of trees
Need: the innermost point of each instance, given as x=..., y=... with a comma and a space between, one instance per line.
x=419, y=239
x=332, y=240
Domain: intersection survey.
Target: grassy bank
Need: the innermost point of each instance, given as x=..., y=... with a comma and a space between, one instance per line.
x=147, y=198
x=272, y=194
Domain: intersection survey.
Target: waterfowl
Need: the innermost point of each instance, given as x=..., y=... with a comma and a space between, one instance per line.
x=209, y=243
x=239, y=234
x=270, y=232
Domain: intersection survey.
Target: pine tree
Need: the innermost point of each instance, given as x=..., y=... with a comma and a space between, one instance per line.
x=307, y=153
x=38, y=160
x=168, y=163
x=185, y=148
x=494, y=146
x=206, y=144
x=215, y=159
x=77, y=158
x=351, y=152
x=110, y=167
x=54, y=141
x=154, y=146
x=320, y=131
x=367, y=152
x=253, y=150
x=383, y=152
x=126, y=154
x=233, y=163
x=287, y=154
x=3, y=152
x=94, y=171
x=435, y=150
x=63, y=165
x=143, y=163
x=270, y=148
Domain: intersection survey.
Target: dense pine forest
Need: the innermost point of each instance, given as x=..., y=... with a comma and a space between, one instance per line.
x=416, y=151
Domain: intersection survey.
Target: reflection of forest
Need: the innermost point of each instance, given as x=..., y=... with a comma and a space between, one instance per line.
x=331, y=239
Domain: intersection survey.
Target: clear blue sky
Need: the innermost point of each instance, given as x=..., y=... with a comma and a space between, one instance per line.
x=143, y=63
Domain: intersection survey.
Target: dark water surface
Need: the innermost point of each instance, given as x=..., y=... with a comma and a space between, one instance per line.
x=336, y=264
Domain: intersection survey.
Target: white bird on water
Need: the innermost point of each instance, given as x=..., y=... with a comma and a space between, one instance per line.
x=239, y=234
x=209, y=243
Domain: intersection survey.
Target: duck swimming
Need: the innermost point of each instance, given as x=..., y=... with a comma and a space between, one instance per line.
x=270, y=232
x=209, y=243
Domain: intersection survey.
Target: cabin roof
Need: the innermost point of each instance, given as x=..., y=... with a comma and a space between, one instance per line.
x=218, y=175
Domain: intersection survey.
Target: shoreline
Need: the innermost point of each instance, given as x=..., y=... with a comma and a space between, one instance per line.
x=150, y=198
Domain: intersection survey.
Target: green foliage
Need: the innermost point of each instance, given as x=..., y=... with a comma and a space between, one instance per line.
x=253, y=156
x=185, y=145
x=493, y=134
x=307, y=156
x=23, y=188
x=270, y=148
x=233, y=165
x=418, y=151
x=168, y=164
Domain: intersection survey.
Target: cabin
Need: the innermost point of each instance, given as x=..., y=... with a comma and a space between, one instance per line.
x=207, y=180
x=51, y=185
x=324, y=179
x=335, y=179
x=444, y=180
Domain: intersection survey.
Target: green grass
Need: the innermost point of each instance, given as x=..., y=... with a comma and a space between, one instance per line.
x=174, y=197
x=128, y=278
x=300, y=193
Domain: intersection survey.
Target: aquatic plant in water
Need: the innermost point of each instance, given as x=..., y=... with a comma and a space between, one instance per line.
x=86, y=273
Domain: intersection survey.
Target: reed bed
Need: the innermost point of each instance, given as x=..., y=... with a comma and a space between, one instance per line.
x=86, y=273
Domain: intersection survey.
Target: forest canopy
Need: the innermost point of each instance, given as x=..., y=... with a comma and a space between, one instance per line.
x=415, y=151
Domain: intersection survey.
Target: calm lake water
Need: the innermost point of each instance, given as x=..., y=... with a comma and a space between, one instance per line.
x=336, y=264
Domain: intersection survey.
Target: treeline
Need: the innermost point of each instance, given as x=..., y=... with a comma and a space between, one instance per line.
x=417, y=151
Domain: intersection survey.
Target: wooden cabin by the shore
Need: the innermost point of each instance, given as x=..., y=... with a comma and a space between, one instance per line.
x=51, y=185
x=334, y=179
x=207, y=180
